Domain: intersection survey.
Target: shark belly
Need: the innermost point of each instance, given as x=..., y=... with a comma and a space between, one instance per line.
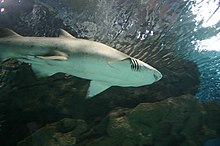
x=94, y=68
x=97, y=70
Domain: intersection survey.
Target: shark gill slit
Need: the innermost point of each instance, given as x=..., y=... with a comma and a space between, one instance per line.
x=138, y=66
x=134, y=64
x=131, y=63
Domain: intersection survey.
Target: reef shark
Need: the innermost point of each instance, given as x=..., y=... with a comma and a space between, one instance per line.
x=102, y=64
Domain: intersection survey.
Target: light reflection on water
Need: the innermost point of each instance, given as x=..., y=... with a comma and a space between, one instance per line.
x=2, y=10
x=211, y=44
x=204, y=9
x=208, y=12
x=208, y=49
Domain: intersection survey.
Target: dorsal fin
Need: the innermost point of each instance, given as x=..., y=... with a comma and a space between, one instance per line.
x=5, y=32
x=65, y=34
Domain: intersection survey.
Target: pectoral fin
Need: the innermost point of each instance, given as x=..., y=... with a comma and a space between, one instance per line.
x=55, y=55
x=96, y=87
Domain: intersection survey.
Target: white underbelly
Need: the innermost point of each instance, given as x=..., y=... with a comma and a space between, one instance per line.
x=96, y=70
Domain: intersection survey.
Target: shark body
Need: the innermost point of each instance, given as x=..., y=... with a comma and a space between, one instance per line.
x=103, y=65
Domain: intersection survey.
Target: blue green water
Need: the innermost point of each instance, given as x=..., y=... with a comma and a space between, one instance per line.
x=161, y=33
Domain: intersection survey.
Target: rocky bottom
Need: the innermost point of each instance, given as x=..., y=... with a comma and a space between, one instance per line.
x=176, y=121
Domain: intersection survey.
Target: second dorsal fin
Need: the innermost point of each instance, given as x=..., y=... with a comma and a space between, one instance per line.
x=65, y=34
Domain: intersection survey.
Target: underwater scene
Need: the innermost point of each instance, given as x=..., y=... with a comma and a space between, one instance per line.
x=109, y=73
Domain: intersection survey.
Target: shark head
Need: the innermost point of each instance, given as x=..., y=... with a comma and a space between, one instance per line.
x=134, y=72
x=144, y=73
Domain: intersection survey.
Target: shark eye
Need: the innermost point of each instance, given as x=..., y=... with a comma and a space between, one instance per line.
x=134, y=65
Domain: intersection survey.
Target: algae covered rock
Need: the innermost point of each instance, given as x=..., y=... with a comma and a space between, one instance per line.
x=181, y=121
x=61, y=133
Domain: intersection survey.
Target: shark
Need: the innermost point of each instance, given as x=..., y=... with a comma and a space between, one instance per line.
x=103, y=65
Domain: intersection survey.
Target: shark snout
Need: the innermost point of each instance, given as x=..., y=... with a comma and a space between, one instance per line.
x=157, y=75
x=152, y=74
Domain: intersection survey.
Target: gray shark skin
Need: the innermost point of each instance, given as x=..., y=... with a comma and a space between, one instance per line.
x=103, y=65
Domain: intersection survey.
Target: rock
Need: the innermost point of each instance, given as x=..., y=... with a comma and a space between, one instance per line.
x=175, y=121
x=61, y=133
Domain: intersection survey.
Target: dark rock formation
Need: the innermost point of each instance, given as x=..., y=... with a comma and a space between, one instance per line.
x=173, y=122
x=61, y=133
